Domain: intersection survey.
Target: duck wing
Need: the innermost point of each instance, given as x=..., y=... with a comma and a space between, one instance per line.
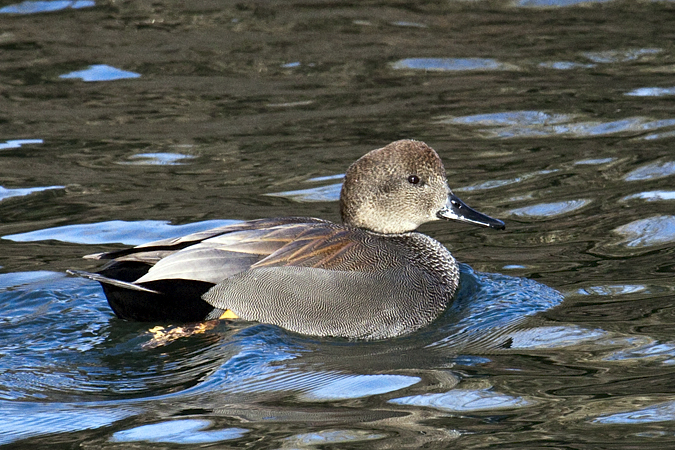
x=165, y=280
x=220, y=256
x=151, y=252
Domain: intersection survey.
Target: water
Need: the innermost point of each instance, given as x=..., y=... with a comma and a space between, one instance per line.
x=122, y=123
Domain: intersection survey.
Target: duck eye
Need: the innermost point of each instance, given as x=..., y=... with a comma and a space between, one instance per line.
x=413, y=179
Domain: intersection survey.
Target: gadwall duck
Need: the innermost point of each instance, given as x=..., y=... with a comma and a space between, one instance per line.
x=372, y=277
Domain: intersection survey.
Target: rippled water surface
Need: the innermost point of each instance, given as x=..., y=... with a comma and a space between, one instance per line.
x=126, y=122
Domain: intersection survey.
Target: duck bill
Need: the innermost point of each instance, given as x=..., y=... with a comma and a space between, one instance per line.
x=455, y=209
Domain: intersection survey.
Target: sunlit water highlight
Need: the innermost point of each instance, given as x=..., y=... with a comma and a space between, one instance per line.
x=100, y=72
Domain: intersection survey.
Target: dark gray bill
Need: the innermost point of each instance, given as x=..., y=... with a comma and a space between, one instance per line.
x=455, y=209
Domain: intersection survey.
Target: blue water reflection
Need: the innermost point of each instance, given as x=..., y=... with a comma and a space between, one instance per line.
x=651, y=92
x=614, y=289
x=490, y=184
x=522, y=124
x=652, y=171
x=186, y=431
x=17, y=143
x=357, y=386
x=594, y=161
x=34, y=7
x=565, y=65
x=656, y=413
x=101, y=72
x=664, y=135
x=651, y=196
x=158, y=159
x=328, y=193
x=549, y=337
x=9, y=280
x=509, y=118
x=7, y=193
x=311, y=440
x=21, y=420
x=402, y=23
x=451, y=64
x=464, y=400
x=657, y=230
x=543, y=210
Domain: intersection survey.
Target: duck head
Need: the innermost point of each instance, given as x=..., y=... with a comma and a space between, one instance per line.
x=397, y=188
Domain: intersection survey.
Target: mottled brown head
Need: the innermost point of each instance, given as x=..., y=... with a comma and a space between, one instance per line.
x=394, y=189
x=397, y=188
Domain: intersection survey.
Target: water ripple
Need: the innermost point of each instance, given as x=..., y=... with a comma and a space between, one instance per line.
x=613, y=56
x=464, y=400
x=330, y=193
x=652, y=171
x=262, y=377
x=508, y=118
x=519, y=124
x=613, y=289
x=21, y=420
x=648, y=232
x=555, y=337
x=356, y=386
x=662, y=412
x=326, y=437
x=651, y=350
x=492, y=184
x=401, y=23
x=488, y=307
x=550, y=209
x=158, y=159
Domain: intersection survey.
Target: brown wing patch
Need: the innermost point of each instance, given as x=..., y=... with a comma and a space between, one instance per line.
x=258, y=242
x=321, y=247
x=214, y=255
x=220, y=257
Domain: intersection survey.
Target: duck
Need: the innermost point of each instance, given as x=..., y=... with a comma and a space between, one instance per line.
x=371, y=277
